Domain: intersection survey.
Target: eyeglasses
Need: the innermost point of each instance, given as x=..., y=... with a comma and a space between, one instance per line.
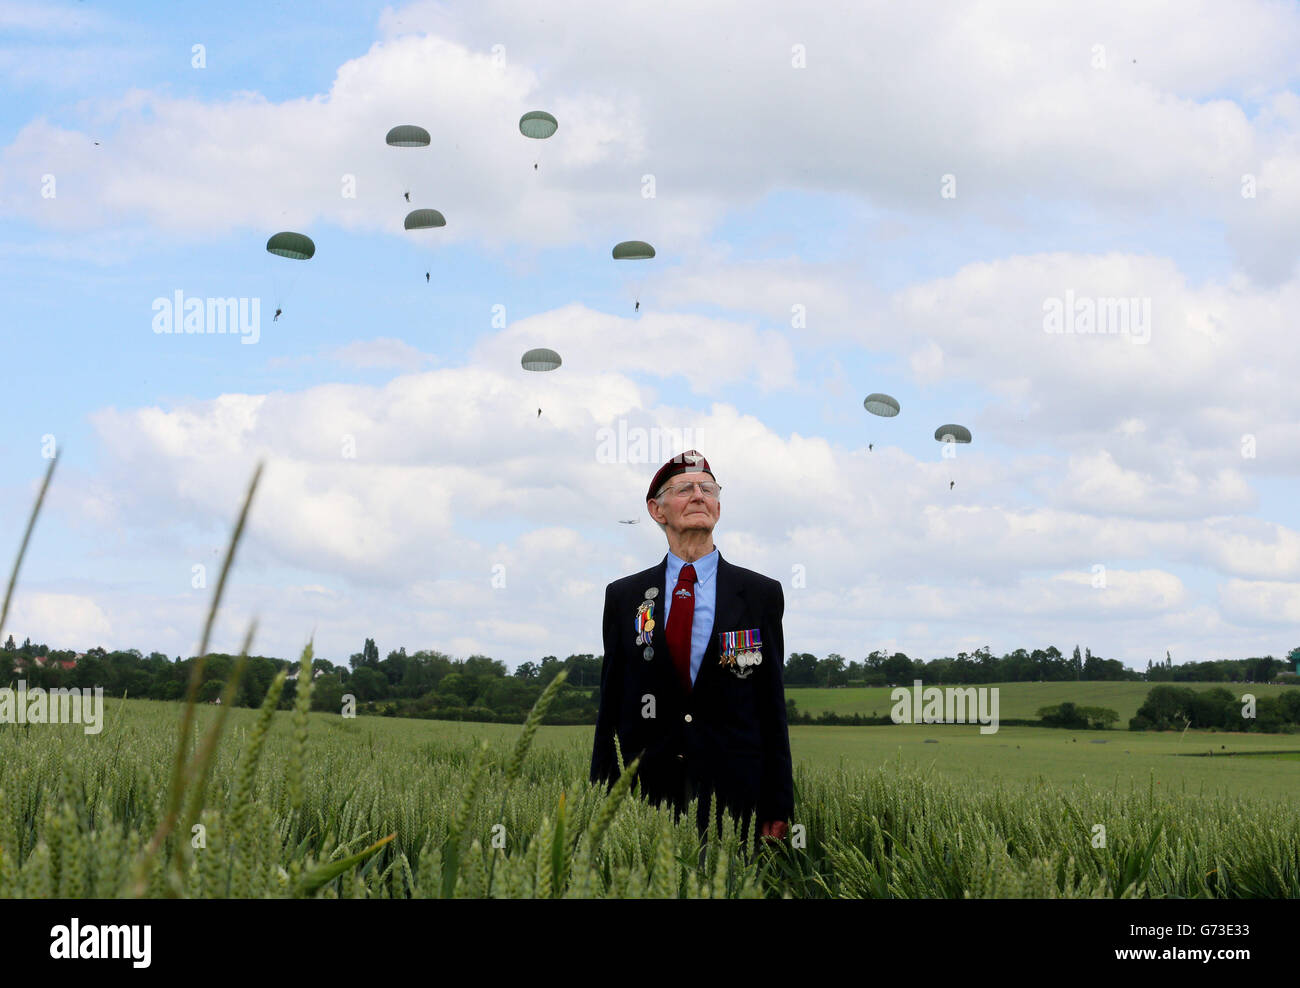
x=711, y=491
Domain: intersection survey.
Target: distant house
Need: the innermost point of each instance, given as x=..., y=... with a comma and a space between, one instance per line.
x=294, y=675
x=20, y=662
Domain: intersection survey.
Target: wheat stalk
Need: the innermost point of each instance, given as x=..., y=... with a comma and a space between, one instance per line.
x=180, y=770
x=301, y=707
x=22, y=548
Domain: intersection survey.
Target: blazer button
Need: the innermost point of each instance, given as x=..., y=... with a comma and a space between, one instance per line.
x=688, y=718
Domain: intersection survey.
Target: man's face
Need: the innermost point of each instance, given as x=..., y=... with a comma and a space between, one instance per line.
x=690, y=512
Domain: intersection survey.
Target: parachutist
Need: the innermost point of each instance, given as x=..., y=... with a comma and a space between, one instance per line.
x=276, y=316
x=869, y=447
x=408, y=196
x=951, y=483
x=534, y=166
x=539, y=413
x=638, y=307
x=426, y=277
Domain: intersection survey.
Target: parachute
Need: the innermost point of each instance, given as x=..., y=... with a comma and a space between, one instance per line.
x=408, y=136
x=540, y=359
x=424, y=219
x=949, y=434
x=882, y=405
x=295, y=246
x=537, y=124
x=952, y=434
x=633, y=250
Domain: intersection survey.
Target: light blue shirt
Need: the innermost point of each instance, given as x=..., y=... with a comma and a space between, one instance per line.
x=706, y=598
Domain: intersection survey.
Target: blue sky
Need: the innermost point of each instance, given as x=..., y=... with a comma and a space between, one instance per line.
x=806, y=256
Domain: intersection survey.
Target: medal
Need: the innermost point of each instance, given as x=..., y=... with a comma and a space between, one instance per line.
x=645, y=623
x=652, y=593
x=740, y=651
x=649, y=653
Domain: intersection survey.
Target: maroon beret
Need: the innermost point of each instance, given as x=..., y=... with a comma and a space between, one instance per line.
x=692, y=461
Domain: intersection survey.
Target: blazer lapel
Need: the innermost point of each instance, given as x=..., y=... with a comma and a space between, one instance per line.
x=729, y=605
x=662, y=662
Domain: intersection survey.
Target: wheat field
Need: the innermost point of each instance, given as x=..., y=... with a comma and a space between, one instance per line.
x=380, y=808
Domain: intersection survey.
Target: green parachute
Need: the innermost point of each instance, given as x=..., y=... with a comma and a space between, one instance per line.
x=408, y=136
x=882, y=405
x=948, y=435
x=633, y=250
x=537, y=124
x=952, y=434
x=424, y=219
x=295, y=246
x=540, y=359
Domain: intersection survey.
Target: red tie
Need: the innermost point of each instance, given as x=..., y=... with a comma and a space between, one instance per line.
x=678, y=632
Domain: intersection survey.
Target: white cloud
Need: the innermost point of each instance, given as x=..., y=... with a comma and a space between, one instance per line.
x=1147, y=134
x=455, y=474
x=708, y=352
x=1267, y=602
x=1095, y=483
x=44, y=617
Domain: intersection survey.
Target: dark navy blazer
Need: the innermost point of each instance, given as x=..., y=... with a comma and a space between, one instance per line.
x=729, y=735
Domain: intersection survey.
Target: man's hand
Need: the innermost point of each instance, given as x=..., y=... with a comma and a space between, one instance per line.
x=773, y=829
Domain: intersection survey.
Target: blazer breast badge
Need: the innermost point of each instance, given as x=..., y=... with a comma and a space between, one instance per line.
x=740, y=652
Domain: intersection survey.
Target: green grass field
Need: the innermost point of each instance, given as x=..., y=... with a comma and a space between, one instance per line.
x=1016, y=701
x=884, y=813
x=1128, y=760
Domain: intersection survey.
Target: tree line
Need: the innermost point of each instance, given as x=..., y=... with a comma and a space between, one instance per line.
x=431, y=684
x=884, y=668
x=426, y=683
x=1180, y=707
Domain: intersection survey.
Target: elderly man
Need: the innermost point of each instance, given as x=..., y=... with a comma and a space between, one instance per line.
x=691, y=679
